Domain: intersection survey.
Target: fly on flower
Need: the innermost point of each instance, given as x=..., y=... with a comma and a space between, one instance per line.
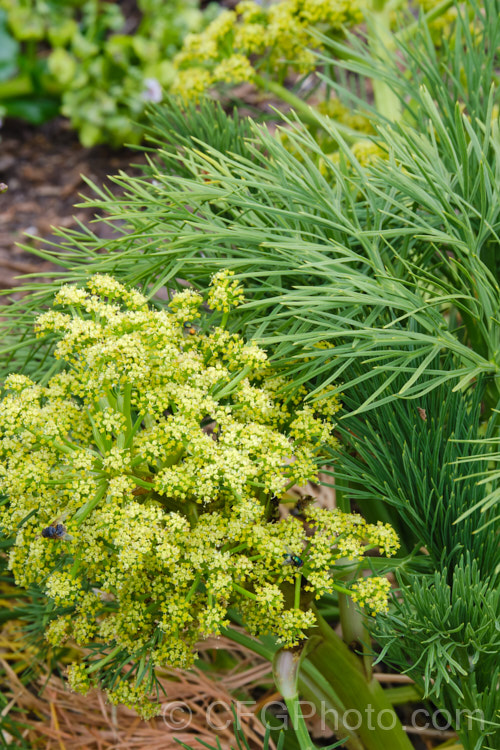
x=56, y=531
x=291, y=559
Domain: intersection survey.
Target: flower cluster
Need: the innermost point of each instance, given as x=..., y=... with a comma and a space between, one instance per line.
x=372, y=593
x=240, y=42
x=225, y=292
x=145, y=477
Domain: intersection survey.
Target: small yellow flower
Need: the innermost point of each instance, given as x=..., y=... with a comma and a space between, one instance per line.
x=187, y=304
x=192, y=83
x=78, y=679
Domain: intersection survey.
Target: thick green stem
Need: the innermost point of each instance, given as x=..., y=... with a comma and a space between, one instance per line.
x=298, y=581
x=381, y=43
x=354, y=631
x=286, y=666
x=244, y=592
x=340, y=589
x=316, y=689
x=251, y=643
x=306, y=113
x=332, y=678
x=298, y=723
x=312, y=686
x=99, y=664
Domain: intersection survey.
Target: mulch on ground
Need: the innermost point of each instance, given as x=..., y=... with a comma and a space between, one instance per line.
x=43, y=168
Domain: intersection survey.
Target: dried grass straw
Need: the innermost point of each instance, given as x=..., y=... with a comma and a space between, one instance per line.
x=54, y=718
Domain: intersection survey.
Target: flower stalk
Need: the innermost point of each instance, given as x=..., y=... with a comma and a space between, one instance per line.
x=286, y=666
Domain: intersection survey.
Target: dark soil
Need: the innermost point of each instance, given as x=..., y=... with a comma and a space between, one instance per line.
x=43, y=168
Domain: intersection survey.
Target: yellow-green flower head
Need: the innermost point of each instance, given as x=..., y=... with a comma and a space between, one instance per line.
x=250, y=11
x=234, y=69
x=187, y=304
x=225, y=292
x=197, y=47
x=367, y=152
x=192, y=83
x=277, y=37
x=144, y=480
x=221, y=26
x=135, y=696
x=372, y=594
x=250, y=38
x=78, y=679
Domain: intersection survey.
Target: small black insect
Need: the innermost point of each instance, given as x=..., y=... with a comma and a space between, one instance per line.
x=274, y=509
x=291, y=559
x=54, y=532
x=300, y=506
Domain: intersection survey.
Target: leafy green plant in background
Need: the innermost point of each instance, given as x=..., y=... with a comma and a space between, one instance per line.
x=81, y=58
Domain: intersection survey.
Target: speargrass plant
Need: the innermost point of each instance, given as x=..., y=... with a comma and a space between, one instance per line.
x=415, y=457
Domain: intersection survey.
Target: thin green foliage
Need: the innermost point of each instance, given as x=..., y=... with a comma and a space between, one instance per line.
x=415, y=456
x=483, y=466
x=181, y=126
x=445, y=635
x=390, y=263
